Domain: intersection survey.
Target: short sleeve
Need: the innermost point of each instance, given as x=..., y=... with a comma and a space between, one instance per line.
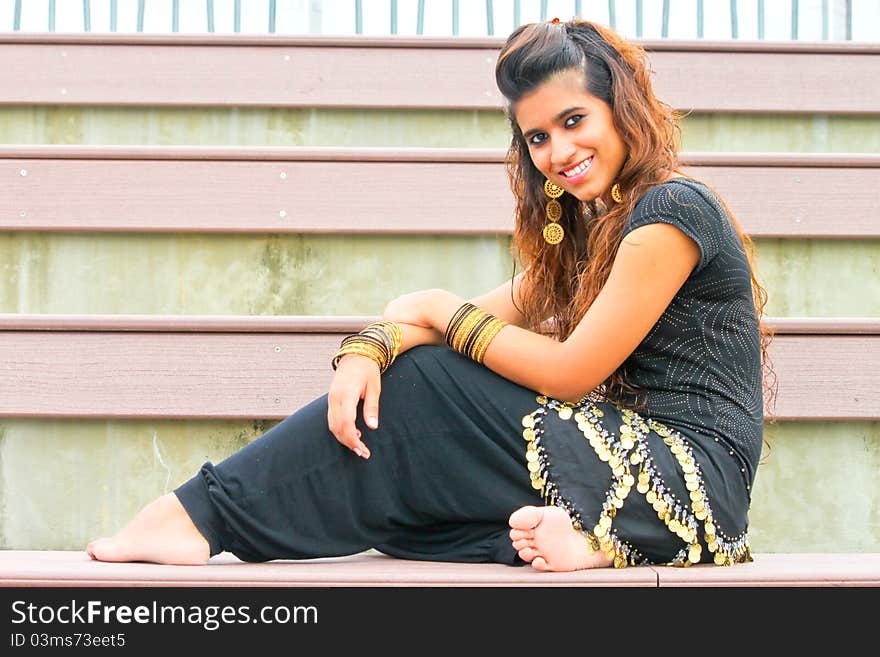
x=696, y=213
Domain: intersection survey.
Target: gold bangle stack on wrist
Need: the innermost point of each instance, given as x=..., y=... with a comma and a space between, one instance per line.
x=471, y=330
x=379, y=341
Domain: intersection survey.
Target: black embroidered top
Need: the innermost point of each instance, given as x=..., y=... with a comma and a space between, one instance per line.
x=700, y=365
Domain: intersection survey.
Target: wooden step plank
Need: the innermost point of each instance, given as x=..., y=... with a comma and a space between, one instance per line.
x=72, y=568
x=336, y=323
x=407, y=72
x=270, y=375
x=23, y=568
x=391, y=191
x=825, y=569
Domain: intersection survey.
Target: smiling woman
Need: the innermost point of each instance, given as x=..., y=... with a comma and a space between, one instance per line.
x=577, y=148
x=625, y=431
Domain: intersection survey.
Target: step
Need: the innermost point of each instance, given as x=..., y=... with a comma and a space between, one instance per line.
x=24, y=568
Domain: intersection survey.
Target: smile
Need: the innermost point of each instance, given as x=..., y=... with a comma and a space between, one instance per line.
x=579, y=170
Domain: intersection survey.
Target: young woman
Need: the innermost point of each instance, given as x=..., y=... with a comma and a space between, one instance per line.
x=604, y=407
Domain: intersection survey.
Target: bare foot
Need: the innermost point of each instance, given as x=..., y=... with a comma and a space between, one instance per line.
x=543, y=536
x=161, y=532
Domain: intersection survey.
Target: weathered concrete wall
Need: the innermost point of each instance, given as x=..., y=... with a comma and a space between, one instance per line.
x=440, y=129
x=352, y=275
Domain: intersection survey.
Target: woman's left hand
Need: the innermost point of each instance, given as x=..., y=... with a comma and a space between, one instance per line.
x=432, y=308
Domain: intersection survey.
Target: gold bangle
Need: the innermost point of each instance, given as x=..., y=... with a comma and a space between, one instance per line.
x=488, y=336
x=471, y=329
x=476, y=336
x=482, y=341
x=459, y=314
x=361, y=350
x=380, y=341
x=468, y=323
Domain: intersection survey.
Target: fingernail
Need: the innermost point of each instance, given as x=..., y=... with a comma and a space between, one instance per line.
x=372, y=422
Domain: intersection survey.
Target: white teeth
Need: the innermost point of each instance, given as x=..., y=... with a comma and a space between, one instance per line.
x=578, y=169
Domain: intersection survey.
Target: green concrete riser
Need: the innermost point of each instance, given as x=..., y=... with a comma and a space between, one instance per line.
x=63, y=482
x=423, y=128
x=352, y=275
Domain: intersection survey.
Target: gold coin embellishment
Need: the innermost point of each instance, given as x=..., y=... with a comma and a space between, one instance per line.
x=620, y=561
x=692, y=486
x=528, y=421
x=541, y=399
x=696, y=495
x=635, y=458
x=710, y=528
x=554, y=210
x=651, y=496
x=628, y=480
x=529, y=434
x=565, y=412
x=719, y=559
x=537, y=484
x=694, y=553
x=552, y=190
x=688, y=467
x=615, y=193
x=605, y=521
x=553, y=233
x=531, y=455
x=580, y=418
x=534, y=466
x=642, y=488
x=599, y=530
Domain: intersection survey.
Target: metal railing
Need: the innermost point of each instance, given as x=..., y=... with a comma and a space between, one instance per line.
x=682, y=19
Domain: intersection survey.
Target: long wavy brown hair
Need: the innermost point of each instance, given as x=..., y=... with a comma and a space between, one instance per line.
x=562, y=282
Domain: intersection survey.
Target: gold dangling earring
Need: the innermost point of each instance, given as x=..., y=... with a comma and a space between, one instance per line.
x=553, y=232
x=615, y=193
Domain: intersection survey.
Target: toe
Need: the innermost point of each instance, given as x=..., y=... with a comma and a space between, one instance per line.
x=526, y=518
x=538, y=563
x=520, y=534
x=527, y=554
x=524, y=543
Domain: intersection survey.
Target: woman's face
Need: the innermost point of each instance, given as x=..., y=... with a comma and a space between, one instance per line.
x=571, y=136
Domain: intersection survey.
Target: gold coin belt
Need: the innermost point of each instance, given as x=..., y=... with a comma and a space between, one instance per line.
x=623, y=454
